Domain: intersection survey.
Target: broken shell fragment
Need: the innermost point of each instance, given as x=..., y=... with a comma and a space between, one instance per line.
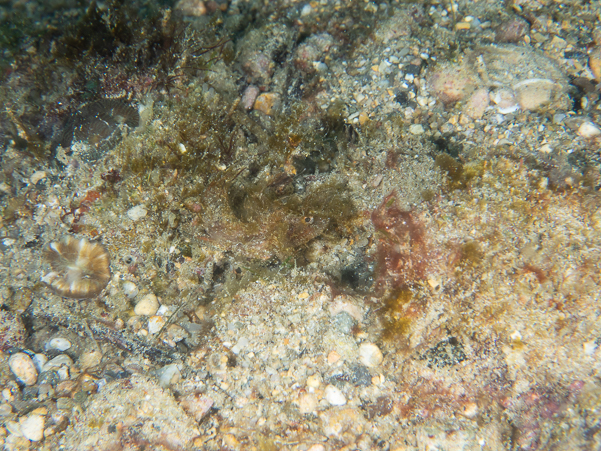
x=80, y=268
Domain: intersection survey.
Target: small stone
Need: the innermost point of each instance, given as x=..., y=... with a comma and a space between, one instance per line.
x=307, y=403
x=512, y=30
x=32, y=427
x=194, y=8
x=534, y=93
x=147, y=306
x=249, y=97
x=314, y=381
x=89, y=359
x=169, y=374
x=416, y=129
x=333, y=357
x=370, y=355
x=155, y=323
x=129, y=289
x=58, y=344
x=470, y=410
x=23, y=368
x=137, y=212
x=334, y=396
x=451, y=83
x=477, y=104
x=363, y=118
x=588, y=130
x=37, y=176
x=197, y=405
x=266, y=102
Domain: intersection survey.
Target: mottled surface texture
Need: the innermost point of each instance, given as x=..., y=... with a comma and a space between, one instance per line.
x=326, y=225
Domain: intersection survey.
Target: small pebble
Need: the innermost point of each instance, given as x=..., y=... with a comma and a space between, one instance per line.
x=169, y=374
x=58, y=344
x=334, y=396
x=129, y=289
x=370, y=355
x=416, y=129
x=23, y=368
x=197, y=405
x=137, y=212
x=588, y=130
x=266, y=102
x=147, y=306
x=307, y=403
x=249, y=97
x=37, y=176
x=155, y=323
x=32, y=427
x=195, y=8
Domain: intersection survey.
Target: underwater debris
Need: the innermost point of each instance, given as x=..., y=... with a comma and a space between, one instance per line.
x=80, y=268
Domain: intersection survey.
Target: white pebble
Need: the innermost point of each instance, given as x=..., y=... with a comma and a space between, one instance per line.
x=147, y=306
x=32, y=427
x=588, y=130
x=169, y=374
x=58, y=344
x=137, y=212
x=334, y=396
x=416, y=129
x=129, y=289
x=370, y=355
x=23, y=368
x=155, y=323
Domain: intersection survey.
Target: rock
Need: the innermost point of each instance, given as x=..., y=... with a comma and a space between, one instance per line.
x=58, y=344
x=266, y=102
x=196, y=406
x=314, y=381
x=249, y=96
x=155, y=323
x=23, y=368
x=195, y=8
x=89, y=358
x=512, y=30
x=32, y=427
x=37, y=176
x=370, y=355
x=307, y=403
x=534, y=93
x=147, y=306
x=137, y=212
x=588, y=130
x=169, y=374
x=451, y=83
x=129, y=289
x=311, y=51
x=335, y=422
x=416, y=129
x=477, y=103
x=334, y=396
